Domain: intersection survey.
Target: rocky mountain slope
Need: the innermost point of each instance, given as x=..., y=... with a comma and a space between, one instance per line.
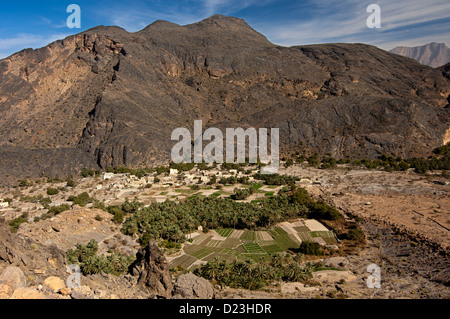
x=106, y=97
x=432, y=54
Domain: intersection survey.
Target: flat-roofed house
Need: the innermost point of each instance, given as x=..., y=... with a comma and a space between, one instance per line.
x=4, y=204
x=108, y=176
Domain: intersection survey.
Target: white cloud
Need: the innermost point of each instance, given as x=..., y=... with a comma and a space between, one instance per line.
x=345, y=21
x=26, y=40
x=229, y=6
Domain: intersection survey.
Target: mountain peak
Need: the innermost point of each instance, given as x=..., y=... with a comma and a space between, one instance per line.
x=220, y=27
x=433, y=54
x=218, y=18
x=224, y=21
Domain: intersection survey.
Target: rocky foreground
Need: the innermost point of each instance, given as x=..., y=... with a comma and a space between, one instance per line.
x=33, y=266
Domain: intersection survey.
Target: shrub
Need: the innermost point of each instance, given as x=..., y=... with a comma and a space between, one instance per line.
x=118, y=217
x=355, y=234
x=24, y=183
x=91, y=263
x=45, y=202
x=321, y=210
x=70, y=181
x=15, y=223
x=289, y=162
x=85, y=172
x=99, y=205
x=242, y=193
x=309, y=248
x=52, y=191
x=81, y=200
x=55, y=210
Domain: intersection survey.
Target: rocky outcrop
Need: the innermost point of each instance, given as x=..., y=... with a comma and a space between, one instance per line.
x=9, y=250
x=189, y=286
x=153, y=270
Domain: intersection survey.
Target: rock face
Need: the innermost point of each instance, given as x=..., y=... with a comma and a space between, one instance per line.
x=31, y=256
x=11, y=279
x=106, y=97
x=153, y=270
x=9, y=250
x=432, y=54
x=189, y=286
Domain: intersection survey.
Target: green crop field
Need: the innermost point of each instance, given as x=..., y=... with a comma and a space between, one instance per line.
x=202, y=253
x=283, y=239
x=214, y=243
x=257, y=186
x=226, y=232
x=305, y=236
x=301, y=229
x=184, y=261
x=216, y=194
x=271, y=249
x=244, y=244
x=253, y=248
x=231, y=243
x=248, y=235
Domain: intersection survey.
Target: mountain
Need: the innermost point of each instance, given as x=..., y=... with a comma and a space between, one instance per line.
x=432, y=54
x=106, y=97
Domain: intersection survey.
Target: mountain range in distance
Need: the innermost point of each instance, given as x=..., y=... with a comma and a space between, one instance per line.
x=108, y=98
x=432, y=54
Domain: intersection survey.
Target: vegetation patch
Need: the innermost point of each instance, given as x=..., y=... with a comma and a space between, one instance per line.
x=91, y=263
x=251, y=274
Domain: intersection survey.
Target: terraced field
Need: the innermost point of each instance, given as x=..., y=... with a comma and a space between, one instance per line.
x=242, y=244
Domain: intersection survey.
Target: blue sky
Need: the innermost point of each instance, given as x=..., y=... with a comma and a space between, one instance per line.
x=33, y=24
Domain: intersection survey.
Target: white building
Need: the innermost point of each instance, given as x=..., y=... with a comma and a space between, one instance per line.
x=204, y=179
x=108, y=176
x=4, y=204
x=173, y=172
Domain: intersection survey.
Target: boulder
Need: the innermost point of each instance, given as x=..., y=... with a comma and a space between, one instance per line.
x=11, y=279
x=153, y=270
x=27, y=293
x=54, y=284
x=189, y=286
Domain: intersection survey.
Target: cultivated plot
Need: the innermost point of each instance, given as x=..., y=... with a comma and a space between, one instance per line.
x=231, y=244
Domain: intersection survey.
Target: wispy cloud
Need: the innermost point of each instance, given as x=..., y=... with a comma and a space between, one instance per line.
x=285, y=22
x=26, y=40
x=345, y=21
x=230, y=6
x=134, y=18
